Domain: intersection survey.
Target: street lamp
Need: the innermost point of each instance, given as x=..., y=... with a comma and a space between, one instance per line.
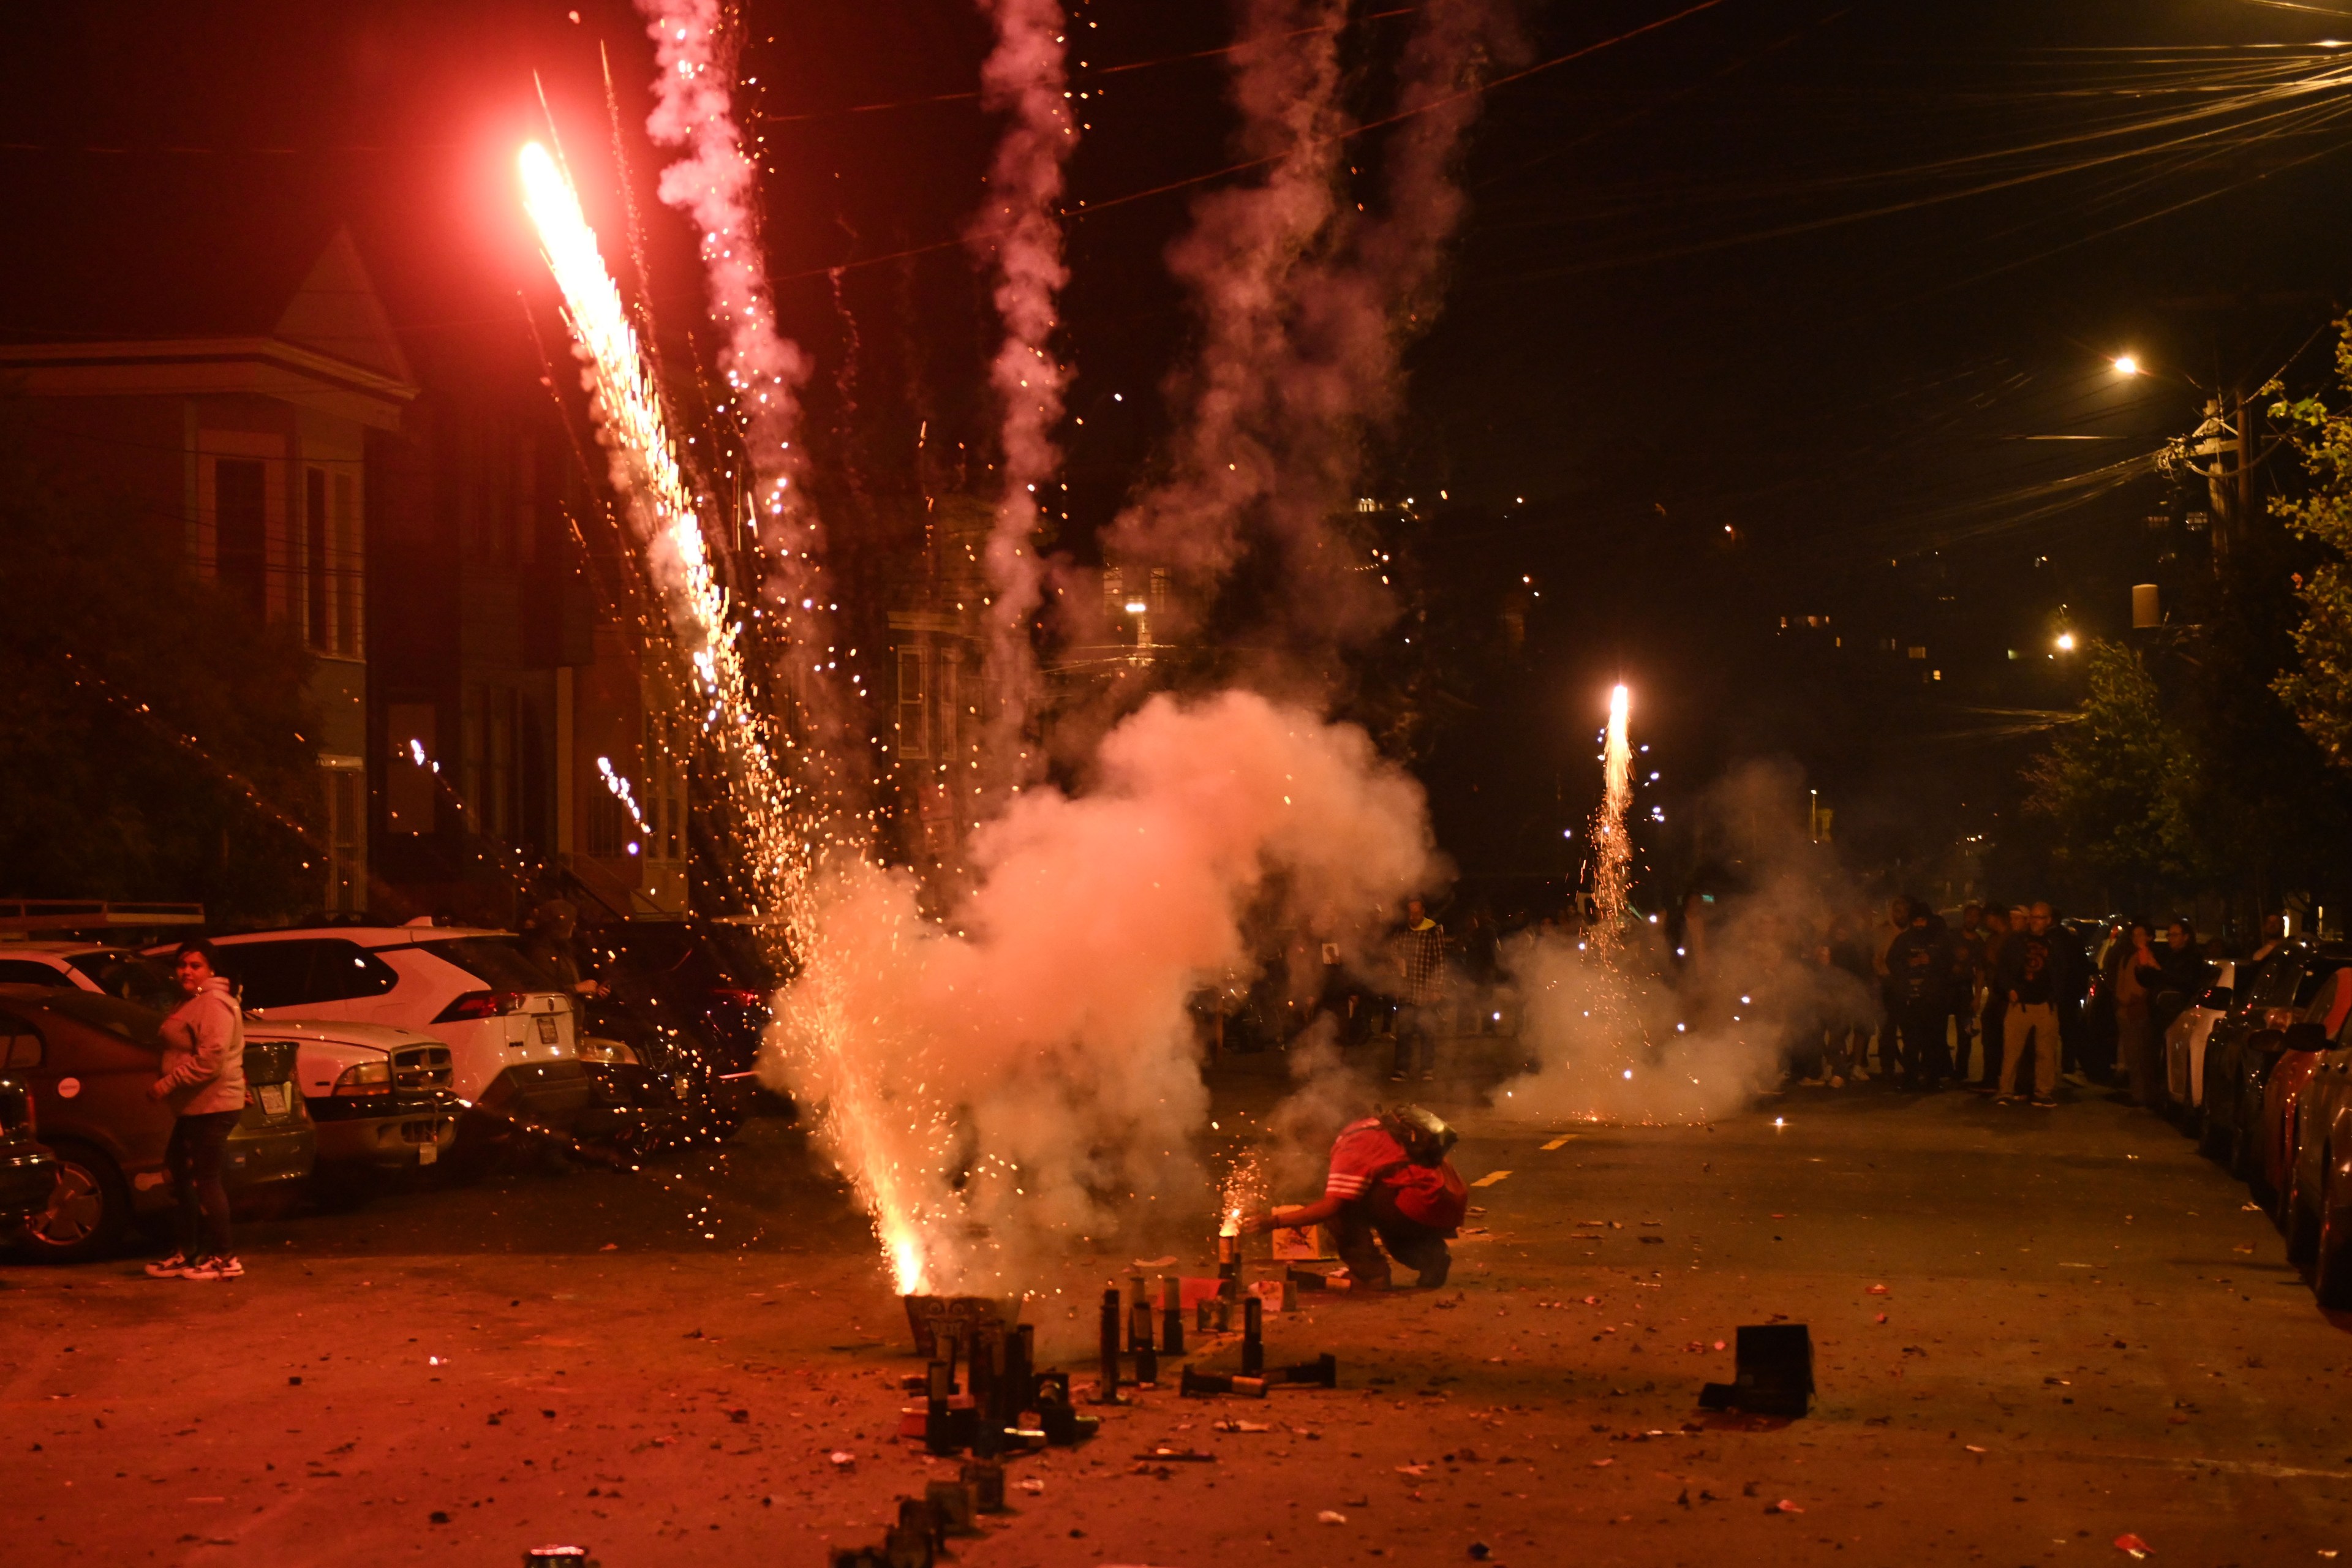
x=2065, y=642
x=2126, y=364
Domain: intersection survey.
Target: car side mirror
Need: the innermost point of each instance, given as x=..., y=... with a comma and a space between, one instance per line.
x=2305, y=1036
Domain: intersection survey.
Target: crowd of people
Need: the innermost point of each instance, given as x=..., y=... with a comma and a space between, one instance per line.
x=2006, y=990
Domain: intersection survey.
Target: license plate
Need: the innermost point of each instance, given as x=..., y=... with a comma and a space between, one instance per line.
x=547, y=1028
x=273, y=1099
x=428, y=1152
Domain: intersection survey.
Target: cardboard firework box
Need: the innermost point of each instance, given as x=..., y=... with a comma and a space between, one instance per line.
x=1302, y=1244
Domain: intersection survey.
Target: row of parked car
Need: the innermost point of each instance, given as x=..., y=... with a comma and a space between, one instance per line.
x=368, y=1050
x=2259, y=1070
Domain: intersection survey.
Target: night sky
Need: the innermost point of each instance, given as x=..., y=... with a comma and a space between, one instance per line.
x=1782, y=309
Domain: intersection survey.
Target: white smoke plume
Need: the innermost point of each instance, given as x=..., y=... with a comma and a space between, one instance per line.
x=1238, y=260
x=1028, y=1067
x=1304, y=308
x=1647, y=1035
x=716, y=185
x=1019, y=233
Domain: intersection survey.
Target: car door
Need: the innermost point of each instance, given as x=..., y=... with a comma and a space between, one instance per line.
x=92, y=1085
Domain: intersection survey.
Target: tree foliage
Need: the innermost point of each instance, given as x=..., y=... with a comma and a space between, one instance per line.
x=2118, y=783
x=152, y=734
x=2319, y=690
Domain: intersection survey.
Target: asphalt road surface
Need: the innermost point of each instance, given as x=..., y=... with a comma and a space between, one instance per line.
x=2036, y=1332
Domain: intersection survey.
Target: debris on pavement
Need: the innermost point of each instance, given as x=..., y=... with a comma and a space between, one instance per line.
x=2132, y=1545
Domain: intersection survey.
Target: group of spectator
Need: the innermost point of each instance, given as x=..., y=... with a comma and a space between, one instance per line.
x=2005, y=987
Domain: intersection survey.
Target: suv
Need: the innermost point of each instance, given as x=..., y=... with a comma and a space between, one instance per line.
x=89, y=1060
x=511, y=1032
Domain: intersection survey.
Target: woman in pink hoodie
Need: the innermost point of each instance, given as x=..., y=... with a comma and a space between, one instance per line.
x=203, y=1078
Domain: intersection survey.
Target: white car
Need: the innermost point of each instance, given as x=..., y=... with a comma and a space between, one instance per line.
x=379, y=1095
x=2184, y=1041
x=511, y=1032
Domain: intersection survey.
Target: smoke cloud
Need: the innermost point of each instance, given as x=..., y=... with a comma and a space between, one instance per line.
x=1648, y=1034
x=1028, y=1067
x=1305, y=308
x=1020, y=233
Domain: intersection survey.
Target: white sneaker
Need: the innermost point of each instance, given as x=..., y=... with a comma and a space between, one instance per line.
x=176, y=1266
x=215, y=1269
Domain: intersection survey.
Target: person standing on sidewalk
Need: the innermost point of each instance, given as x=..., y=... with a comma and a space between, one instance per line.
x=202, y=1080
x=1421, y=955
x=2028, y=981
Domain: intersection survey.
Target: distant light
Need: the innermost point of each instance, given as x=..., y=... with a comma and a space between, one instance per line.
x=2065, y=642
x=1568, y=833
x=1628, y=1072
x=633, y=845
x=1136, y=606
x=2126, y=364
x=1653, y=920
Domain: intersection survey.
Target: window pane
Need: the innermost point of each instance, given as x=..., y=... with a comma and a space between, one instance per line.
x=498, y=961
x=24, y=972
x=240, y=540
x=317, y=567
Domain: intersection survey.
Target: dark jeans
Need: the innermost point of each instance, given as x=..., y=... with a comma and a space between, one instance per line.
x=1410, y=1242
x=193, y=1157
x=1926, y=1059
x=1413, y=1029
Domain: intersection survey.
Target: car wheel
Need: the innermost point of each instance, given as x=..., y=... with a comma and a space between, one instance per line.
x=2212, y=1133
x=87, y=1212
x=2331, y=1275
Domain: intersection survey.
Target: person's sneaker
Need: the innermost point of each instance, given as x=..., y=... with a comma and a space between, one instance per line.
x=1430, y=1279
x=1837, y=1082
x=1430, y=1077
x=172, y=1268
x=215, y=1269
x=2044, y=1104
x=1396, y=1077
x=1808, y=1083
x=2004, y=1099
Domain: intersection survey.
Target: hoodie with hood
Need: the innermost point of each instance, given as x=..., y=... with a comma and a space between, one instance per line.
x=203, y=1052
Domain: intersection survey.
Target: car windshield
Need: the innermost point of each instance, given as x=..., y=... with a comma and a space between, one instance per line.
x=123, y=1020
x=500, y=962
x=124, y=974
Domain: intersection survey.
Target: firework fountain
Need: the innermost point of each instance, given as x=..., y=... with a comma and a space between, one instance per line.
x=1613, y=850
x=1001, y=1080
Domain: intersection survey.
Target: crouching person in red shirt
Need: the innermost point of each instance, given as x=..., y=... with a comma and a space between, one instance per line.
x=1391, y=1186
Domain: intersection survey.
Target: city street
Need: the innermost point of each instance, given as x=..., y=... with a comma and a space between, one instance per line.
x=2036, y=1332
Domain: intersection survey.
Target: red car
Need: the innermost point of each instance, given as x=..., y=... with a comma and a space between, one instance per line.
x=2323, y=1019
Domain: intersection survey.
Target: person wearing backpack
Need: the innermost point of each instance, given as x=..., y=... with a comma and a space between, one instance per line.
x=202, y=1080
x=1389, y=1187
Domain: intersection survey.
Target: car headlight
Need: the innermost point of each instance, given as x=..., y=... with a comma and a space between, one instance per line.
x=592, y=1049
x=368, y=1078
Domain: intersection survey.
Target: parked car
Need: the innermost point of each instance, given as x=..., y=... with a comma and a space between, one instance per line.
x=28, y=1173
x=89, y=1060
x=90, y=966
x=379, y=1096
x=2186, y=1038
x=2242, y=1048
x=2301, y=1043
x=511, y=1032
x=2316, y=1196
x=688, y=999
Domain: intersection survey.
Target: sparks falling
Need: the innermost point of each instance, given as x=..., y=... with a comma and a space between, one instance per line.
x=781, y=829
x=1612, y=869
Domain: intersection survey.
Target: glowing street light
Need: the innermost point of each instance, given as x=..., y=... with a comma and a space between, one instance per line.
x=2126, y=364
x=2065, y=642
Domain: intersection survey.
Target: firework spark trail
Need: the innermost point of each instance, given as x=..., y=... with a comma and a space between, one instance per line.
x=782, y=833
x=716, y=185
x=1022, y=236
x=1613, y=850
